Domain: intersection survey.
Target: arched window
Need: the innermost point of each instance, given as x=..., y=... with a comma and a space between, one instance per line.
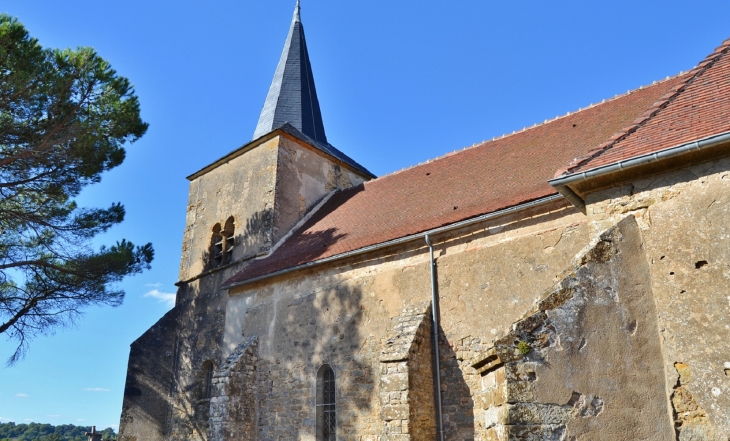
x=207, y=379
x=221, y=244
x=326, y=414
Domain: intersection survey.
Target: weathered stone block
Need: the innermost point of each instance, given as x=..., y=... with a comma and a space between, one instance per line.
x=394, y=412
x=519, y=391
x=394, y=382
x=534, y=433
x=495, y=396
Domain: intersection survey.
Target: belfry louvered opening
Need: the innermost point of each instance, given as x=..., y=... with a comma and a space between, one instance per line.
x=222, y=243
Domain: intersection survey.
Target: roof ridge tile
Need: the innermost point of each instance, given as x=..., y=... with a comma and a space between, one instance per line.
x=508, y=171
x=535, y=125
x=651, y=111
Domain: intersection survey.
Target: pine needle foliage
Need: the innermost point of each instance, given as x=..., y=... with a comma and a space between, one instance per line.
x=65, y=116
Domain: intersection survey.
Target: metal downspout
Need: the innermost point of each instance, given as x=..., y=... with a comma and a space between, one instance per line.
x=436, y=324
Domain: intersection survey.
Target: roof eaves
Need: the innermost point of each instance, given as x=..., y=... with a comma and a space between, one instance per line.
x=563, y=183
x=289, y=130
x=231, y=283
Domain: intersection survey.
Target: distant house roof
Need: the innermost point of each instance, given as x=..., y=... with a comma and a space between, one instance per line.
x=696, y=107
x=491, y=176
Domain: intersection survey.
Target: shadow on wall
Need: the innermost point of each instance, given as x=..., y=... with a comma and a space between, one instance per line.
x=457, y=405
x=145, y=409
x=201, y=312
x=299, y=334
x=307, y=247
x=456, y=398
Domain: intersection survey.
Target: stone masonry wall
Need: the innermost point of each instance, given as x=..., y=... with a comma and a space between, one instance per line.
x=459, y=382
x=585, y=363
x=406, y=378
x=484, y=286
x=341, y=315
x=146, y=408
x=684, y=217
x=242, y=188
x=233, y=412
x=266, y=189
x=670, y=264
x=297, y=335
x=247, y=188
x=304, y=177
x=201, y=311
x=422, y=407
x=286, y=399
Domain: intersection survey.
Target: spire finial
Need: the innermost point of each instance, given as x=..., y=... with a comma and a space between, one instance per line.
x=296, y=12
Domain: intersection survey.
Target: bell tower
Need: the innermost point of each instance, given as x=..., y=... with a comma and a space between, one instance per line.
x=264, y=188
x=239, y=207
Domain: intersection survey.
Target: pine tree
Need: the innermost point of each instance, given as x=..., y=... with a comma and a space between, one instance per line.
x=65, y=116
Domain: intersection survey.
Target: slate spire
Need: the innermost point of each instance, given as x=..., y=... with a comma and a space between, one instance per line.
x=292, y=97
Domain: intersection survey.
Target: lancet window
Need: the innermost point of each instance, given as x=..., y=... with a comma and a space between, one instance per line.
x=208, y=379
x=326, y=412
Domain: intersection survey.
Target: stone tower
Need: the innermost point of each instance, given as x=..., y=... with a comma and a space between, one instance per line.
x=267, y=185
x=239, y=207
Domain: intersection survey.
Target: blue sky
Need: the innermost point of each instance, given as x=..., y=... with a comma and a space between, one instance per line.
x=399, y=82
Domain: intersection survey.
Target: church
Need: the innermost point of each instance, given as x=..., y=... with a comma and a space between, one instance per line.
x=570, y=281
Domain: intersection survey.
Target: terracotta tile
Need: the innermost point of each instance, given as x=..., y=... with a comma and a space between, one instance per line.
x=488, y=177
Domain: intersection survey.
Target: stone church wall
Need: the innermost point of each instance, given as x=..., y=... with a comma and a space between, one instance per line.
x=340, y=315
x=233, y=409
x=201, y=311
x=684, y=220
x=145, y=409
x=303, y=178
x=299, y=334
x=406, y=374
x=267, y=189
x=251, y=188
x=489, y=277
x=554, y=376
x=488, y=283
x=243, y=188
x=165, y=393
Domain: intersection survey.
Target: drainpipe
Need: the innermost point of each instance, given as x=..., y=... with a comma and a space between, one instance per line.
x=435, y=315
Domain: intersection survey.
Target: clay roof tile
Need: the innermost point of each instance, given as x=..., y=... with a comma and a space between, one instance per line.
x=490, y=176
x=694, y=108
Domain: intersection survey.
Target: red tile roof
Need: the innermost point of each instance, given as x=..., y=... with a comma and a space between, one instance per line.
x=488, y=177
x=696, y=107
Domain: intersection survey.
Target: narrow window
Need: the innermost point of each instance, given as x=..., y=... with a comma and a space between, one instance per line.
x=216, y=246
x=208, y=379
x=228, y=230
x=221, y=243
x=326, y=415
